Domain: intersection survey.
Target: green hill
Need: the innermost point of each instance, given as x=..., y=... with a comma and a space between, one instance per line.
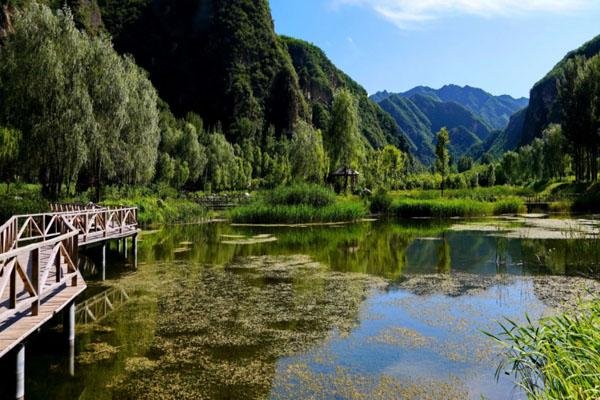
x=422, y=116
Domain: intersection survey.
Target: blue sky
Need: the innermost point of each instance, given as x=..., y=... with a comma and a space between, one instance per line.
x=502, y=46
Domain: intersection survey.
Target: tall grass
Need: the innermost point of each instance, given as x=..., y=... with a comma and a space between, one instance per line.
x=155, y=211
x=448, y=208
x=300, y=203
x=263, y=213
x=558, y=359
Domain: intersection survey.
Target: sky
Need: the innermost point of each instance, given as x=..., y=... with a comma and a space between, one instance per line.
x=501, y=46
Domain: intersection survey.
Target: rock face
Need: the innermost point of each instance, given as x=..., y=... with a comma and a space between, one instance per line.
x=542, y=110
x=224, y=61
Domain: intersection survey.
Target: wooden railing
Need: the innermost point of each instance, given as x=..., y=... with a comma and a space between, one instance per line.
x=25, y=272
x=39, y=252
x=105, y=221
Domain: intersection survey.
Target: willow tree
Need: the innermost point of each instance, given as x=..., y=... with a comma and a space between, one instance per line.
x=9, y=150
x=442, y=162
x=77, y=102
x=44, y=93
x=344, y=143
x=307, y=154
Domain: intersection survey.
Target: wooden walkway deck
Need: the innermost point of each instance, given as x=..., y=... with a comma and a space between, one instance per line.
x=39, y=273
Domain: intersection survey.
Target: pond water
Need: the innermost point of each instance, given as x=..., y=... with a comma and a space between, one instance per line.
x=374, y=310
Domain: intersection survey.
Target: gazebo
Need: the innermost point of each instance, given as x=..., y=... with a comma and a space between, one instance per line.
x=345, y=175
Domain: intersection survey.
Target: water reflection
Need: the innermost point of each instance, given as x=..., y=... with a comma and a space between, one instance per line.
x=345, y=311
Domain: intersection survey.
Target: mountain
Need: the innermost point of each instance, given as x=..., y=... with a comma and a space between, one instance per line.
x=421, y=116
x=494, y=110
x=319, y=78
x=542, y=109
x=224, y=61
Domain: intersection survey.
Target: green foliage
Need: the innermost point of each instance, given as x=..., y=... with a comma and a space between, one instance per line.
x=307, y=155
x=380, y=202
x=260, y=213
x=153, y=210
x=343, y=142
x=9, y=149
x=455, y=207
x=77, y=103
x=578, y=94
x=442, y=162
x=300, y=194
x=557, y=359
x=21, y=199
x=385, y=168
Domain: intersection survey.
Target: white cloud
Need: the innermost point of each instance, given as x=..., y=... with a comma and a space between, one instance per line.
x=408, y=13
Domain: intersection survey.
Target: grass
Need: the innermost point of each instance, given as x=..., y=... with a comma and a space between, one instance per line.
x=301, y=203
x=261, y=212
x=557, y=359
x=448, y=208
x=153, y=210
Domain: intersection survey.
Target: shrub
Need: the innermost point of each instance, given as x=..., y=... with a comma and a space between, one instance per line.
x=381, y=202
x=511, y=205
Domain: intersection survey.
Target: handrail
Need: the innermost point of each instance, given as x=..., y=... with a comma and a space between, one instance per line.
x=34, y=246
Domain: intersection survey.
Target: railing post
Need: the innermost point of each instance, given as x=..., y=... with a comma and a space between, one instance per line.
x=58, y=264
x=35, y=280
x=12, y=301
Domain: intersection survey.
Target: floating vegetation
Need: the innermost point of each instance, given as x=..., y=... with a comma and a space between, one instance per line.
x=401, y=337
x=227, y=327
x=182, y=250
x=246, y=240
x=96, y=352
x=298, y=381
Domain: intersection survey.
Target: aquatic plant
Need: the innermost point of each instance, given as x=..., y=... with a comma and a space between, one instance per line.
x=301, y=194
x=260, y=212
x=557, y=359
x=448, y=208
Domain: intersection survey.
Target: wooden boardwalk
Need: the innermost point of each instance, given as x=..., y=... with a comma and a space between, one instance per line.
x=39, y=275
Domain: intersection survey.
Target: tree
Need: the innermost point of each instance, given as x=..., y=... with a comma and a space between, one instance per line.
x=9, y=151
x=192, y=152
x=79, y=105
x=465, y=163
x=555, y=159
x=344, y=144
x=442, y=162
x=307, y=156
x=392, y=163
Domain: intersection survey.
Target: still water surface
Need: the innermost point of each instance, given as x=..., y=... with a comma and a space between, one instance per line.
x=376, y=310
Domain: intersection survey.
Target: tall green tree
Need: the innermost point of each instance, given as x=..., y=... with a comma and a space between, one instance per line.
x=9, y=150
x=79, y=105
x=307, y=155
x=442, y=162
x=344, y=144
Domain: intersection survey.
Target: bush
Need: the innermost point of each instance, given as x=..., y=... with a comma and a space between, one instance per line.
x=301, y=194
x=512, y=205
x=381, y=202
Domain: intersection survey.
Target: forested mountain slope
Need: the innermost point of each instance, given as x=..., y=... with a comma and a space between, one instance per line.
x=224, y=61
x=542, y=109
x=421, y=117
x=494, y=110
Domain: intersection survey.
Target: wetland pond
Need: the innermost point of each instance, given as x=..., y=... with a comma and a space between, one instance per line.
x=373, y=310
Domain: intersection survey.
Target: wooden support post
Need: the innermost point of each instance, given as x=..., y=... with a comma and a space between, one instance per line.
x=103, y=261
x=125, y=247
x=69, y=323
x=20, y=372
x=134, y=249
x=71, y=360
x=35, y=280
x=118, y=246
